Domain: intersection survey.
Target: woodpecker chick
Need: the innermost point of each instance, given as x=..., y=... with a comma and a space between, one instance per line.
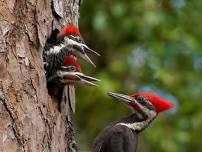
x=71, y=36
x=122, y=135
x=75, y=38
x=68, y=42
x=71, y=73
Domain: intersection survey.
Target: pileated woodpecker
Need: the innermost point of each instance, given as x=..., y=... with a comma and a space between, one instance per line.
x=60, y=52
x=69, y=73
x=67, y=42
x=122, y=135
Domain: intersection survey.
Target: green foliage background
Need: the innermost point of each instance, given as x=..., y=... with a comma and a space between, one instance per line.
x=145, y=45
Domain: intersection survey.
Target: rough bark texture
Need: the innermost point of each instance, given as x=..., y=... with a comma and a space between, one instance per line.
x=29, y=118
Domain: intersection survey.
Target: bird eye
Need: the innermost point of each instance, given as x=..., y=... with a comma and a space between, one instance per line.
x=145, y=102
x=141, y=99
x=72, y=68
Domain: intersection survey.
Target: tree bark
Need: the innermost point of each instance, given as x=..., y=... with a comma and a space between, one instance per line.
x=29, y=118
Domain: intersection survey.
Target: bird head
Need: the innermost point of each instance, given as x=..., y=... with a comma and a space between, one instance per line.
x=70, y=30
x=144, y=100
x=71, y=64
x=71, y=73
x=73, y=38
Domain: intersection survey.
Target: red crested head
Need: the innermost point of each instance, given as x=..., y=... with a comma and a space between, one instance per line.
x=71, y=61
x=159, y=103
x=70, y=30
x=72, y=65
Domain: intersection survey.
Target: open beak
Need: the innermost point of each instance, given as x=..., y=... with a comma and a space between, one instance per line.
x=89, y=50
x=78, y=78
x=82, y=45
x=123, y=98
x=83, y=55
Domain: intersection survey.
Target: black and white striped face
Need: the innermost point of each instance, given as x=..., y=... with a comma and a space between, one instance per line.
x=137, y=103
x=76, y=38
x=145, y=102
x=77, y=42
x=74, y=77
x=144, y=111
x=71, y=73
x=78, y=48
x=70, y=68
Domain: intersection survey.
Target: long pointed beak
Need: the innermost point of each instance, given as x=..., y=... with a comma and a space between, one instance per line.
x=82, y=45
x=123, y=98
x=91, y=50
x=84, y=56
x=89, y=78
x=81, y=78
x=86, y=79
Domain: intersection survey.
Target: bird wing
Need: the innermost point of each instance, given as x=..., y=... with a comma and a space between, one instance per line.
x=116, y=142
x=118, y=139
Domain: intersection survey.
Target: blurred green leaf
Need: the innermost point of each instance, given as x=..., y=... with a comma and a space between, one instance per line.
x=144, y=43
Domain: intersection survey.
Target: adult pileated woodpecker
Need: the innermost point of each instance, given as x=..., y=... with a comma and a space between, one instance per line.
x=122, y=136
x=69, y=73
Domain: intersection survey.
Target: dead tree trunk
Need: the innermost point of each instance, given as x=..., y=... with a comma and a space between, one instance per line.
x=29, y=119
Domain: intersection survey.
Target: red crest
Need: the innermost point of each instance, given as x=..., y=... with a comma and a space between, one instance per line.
x=70, y=30
x=159, y=103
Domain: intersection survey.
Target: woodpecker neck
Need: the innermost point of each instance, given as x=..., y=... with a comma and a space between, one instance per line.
x=138, y=122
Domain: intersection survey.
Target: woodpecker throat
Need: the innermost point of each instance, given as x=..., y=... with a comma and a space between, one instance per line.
x=136, y=122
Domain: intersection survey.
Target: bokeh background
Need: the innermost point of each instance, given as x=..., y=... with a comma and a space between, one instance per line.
x=146, y=45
